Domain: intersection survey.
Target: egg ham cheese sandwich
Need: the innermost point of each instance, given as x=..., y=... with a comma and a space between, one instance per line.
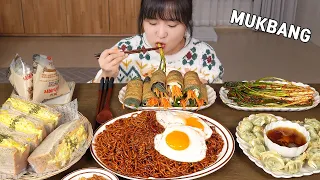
x=13, y=155
x=21, y=123
x=59, y=147
x=46, y=114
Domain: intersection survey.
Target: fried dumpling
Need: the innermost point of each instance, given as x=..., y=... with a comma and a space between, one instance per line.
x=272, y=160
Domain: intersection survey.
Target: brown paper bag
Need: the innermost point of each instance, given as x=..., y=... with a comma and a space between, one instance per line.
x=20, y=76
x=47, y=81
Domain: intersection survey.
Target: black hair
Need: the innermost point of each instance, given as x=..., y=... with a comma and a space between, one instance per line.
x=172, y=10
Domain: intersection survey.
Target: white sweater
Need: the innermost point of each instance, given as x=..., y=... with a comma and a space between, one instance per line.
x=195, y=56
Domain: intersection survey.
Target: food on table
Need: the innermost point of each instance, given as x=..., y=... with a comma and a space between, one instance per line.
x=250, y=128
x=175, y=86
x=181, y=143
x=22, y=123
x=20, y=76
x=269, y=92
x=149, y=99
x=47, y=81
x=94, y=177
x=173, y=90
x=170, y=118
x=134, y=93
x=30, y=139
x=47, y=115
x=13, y=154
x=59, y=147
x=139, y=139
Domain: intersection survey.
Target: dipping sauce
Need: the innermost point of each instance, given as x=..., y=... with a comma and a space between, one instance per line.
x=288, y=137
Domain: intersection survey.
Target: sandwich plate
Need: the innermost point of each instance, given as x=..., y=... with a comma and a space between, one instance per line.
x=224, y=97
x=211, y=99
x=304, y=171
x=89, y=172
x=224, y=156
x=78, y=155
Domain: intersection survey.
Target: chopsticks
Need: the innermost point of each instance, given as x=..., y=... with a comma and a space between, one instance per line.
x=144, y=50
x=105, y=83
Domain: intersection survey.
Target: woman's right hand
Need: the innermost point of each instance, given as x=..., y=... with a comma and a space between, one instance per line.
x=110, y=60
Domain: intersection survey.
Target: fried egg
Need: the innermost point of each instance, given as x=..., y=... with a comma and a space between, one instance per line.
x=181, y=143
x=170, y=118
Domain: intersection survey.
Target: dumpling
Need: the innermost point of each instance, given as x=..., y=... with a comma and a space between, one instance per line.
x=258, y=131
x=272, y=160
x=262, y=119
x=245, y=125
x=257, y=150
x=314, y=123
x=314, y=149
x=293, y=166
x=313, y=134
x=314, y=161
x=256, y=141
x=247, y=136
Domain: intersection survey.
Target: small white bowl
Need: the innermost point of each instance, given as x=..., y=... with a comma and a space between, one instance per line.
x=282, y=150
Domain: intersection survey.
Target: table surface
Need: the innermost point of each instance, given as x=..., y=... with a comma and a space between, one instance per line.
x=239, y=167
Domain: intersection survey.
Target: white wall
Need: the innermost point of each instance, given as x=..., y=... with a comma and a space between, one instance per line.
x=308, y=16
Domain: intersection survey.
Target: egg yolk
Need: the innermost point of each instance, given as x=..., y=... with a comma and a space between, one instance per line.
x=193, y=122
x=177, y=140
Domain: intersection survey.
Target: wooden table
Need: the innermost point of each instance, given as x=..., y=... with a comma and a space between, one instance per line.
x=239, y=167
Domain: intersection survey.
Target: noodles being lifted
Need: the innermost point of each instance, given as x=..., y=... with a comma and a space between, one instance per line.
x=127, y=147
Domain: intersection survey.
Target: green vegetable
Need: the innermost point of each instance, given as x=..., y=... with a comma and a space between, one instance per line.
x=269, y=92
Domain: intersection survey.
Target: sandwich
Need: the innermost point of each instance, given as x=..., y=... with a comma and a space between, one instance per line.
x=158, y=87
x=13, y=156
x=59, y=148
x=47, y=115
x=30, y=139
x=133, y=93
x=21, y=123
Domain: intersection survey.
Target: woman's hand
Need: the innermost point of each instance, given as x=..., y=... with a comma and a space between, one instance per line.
x=109, y=62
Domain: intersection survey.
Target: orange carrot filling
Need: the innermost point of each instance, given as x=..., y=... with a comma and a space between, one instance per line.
x=165, y=102
x=152, y=102
x=176, y=92
x=192, y=95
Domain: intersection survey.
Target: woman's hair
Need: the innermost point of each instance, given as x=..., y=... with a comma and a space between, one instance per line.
x=172, y=10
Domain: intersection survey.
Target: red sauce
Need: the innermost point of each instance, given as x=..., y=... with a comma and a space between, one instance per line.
x=288, y=137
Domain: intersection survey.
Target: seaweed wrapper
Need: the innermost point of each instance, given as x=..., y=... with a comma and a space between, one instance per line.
x=174, y=77
x=147, y=92
x=191, y=81
x=158, y=82
x=204, y=93
x=133, y=94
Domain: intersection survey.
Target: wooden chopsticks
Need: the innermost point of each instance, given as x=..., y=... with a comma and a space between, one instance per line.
x=105, y=84
x=144, y=50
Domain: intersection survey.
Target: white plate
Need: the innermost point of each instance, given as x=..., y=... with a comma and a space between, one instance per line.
x=305, y=170
x=89, y=172
x=224, y=92
x=211, y=99
x=224, y=156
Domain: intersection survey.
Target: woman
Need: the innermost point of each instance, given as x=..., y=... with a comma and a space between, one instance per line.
x=168, y=22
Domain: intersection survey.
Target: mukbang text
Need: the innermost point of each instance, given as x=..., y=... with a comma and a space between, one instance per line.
x=273, y=27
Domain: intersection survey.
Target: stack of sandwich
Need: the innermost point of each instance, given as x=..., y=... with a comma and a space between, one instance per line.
x=173, y=90
x=29, y=136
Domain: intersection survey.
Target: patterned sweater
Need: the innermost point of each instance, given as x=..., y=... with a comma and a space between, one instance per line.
x=195, y=55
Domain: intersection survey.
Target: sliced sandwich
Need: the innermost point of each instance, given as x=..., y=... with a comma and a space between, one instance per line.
x=47, y=115
x=21, y=123
x=31, y=139
x=13, y=155
x=59, y=148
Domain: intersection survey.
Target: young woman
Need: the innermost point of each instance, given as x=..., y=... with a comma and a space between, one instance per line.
x=168, y=22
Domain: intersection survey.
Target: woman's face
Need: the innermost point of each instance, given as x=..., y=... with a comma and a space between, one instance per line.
x=169, y=33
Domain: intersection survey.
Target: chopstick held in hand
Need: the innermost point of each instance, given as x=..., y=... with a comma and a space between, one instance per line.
x=133, y=51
